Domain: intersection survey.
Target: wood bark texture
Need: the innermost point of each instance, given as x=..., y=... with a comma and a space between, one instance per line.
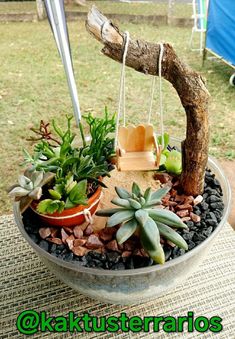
x=143, y=57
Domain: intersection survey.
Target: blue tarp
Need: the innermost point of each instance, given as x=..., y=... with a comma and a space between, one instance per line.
x=220, y=37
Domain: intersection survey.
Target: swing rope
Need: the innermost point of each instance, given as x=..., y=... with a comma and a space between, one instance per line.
x=122, y=101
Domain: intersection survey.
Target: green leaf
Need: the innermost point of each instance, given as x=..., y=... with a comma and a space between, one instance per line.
x=126, y=231
x=160, y=193
x=52, y=207
x=173, y=162
x=141, y=216
x=150, y=239
x=54, y=194
x=120, y=217
x=78, y=193
x=135, y=204
x=43, y=205
x=152, y=203
x=166, y=140
x=166, y=217
x=108, y=212
x=169, y=234
x=136, y=189
x=147, y=194
x=121, y=202
x=122, y=193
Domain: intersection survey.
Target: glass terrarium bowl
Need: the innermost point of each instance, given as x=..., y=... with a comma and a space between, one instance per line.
x=131, y=286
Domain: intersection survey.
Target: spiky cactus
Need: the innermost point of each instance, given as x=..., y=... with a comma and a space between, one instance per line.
x=138, y=212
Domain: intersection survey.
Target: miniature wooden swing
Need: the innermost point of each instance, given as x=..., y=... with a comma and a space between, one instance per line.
x=137, y=148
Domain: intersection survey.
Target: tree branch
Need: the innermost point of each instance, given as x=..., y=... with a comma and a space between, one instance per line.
x=143, y=57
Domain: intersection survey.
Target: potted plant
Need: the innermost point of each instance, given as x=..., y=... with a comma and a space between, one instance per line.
x=62, y=182
x=154, y=238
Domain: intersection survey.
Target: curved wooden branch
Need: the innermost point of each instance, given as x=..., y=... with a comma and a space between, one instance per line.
x=143, y=57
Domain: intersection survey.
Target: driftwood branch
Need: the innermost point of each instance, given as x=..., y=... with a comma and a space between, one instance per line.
x=143, y=57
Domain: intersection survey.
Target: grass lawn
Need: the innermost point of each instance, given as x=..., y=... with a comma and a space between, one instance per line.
x=33, y=87
x=180, y=10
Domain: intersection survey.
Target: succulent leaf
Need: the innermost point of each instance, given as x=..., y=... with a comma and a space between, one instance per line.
x=37, y=178
x=152, y=203
x=18, y=192
x=150, y=239
x=168, y=233
x=54, y=194
x=23, y=181
x=147, y=194
x=36, y=193
x=134, y=204
x=141, y=216
x=121, y=202
x=136, y=189
x=122, y=193
x=120, y=217
x=108, y=212
x=142, y=201
x=166, y=217
x=126, y=231
x=160, y=193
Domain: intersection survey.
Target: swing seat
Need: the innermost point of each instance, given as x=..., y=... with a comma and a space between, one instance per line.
x=137, y=149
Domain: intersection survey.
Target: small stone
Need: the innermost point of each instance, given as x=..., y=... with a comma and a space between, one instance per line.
x=70, y=241
x=189, y=200
x=213, y=217
x=195, y=217
x=44, y=232
x=162, y=177
x=44, y=245
x=198, y=200
x=118, y=266
x=68, y=256
x=208, y=231
x=213, y=198
x=57, y=241
x=182, y=213
x=79, y=242
x=93, y=242
x=68, y=230
x=167, y=251
x=188, y=236
x=217, y=205
x=112, y=245
x=212, y=222
x=105, y=235
x=140, y=262
x=126, y=254
x=204, y=206
x=191, y=245
x=184, y=207
x=79, y=250
x=113, y=257
x=184, y=219
x=64, y=235
x=89, y=230
x=179, y=198
x=129, y=245
x=172, y=203
x=54, y=232
x=190, y=224
x=34, y=237
x=78, y=232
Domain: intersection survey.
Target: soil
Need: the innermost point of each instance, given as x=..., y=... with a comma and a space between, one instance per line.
x=89, y=246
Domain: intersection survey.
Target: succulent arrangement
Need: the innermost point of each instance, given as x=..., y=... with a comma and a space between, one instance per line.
x=61, y=175
x=137, y=213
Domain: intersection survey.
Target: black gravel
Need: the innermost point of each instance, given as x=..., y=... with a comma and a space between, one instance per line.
x=210, y=211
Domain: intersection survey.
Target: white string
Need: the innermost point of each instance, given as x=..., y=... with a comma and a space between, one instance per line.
x=121, y=101
x=87, y=215
x=160, y=92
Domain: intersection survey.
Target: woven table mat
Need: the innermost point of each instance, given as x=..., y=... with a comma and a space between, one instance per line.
x=27, y=284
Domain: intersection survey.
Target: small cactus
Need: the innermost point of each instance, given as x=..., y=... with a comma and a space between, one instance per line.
x=137, y=211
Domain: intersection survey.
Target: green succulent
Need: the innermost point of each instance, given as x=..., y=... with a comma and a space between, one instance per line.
x=29, y=187
x=138, y=212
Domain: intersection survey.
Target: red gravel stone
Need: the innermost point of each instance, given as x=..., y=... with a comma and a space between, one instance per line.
x=183, y=213
x=68, y=230
x=129, y=245
x=195, y=217
x=189, y=200
x=184, y=207
x=56, y=241
x=79, y=250
x=162, y=177
x=179, y=198
x=64, y=235
x=89, y=230
x=78, y=232
x=55, y=232
x=186, y=219
x=105, y=235
x=79, y=242
x=70, y=241
x=93, y=242
x=112, y=245
x=126, y=254
x=45, y=232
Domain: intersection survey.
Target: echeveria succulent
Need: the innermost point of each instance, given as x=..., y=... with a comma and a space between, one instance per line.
x=29, y=187
x=138, y=212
